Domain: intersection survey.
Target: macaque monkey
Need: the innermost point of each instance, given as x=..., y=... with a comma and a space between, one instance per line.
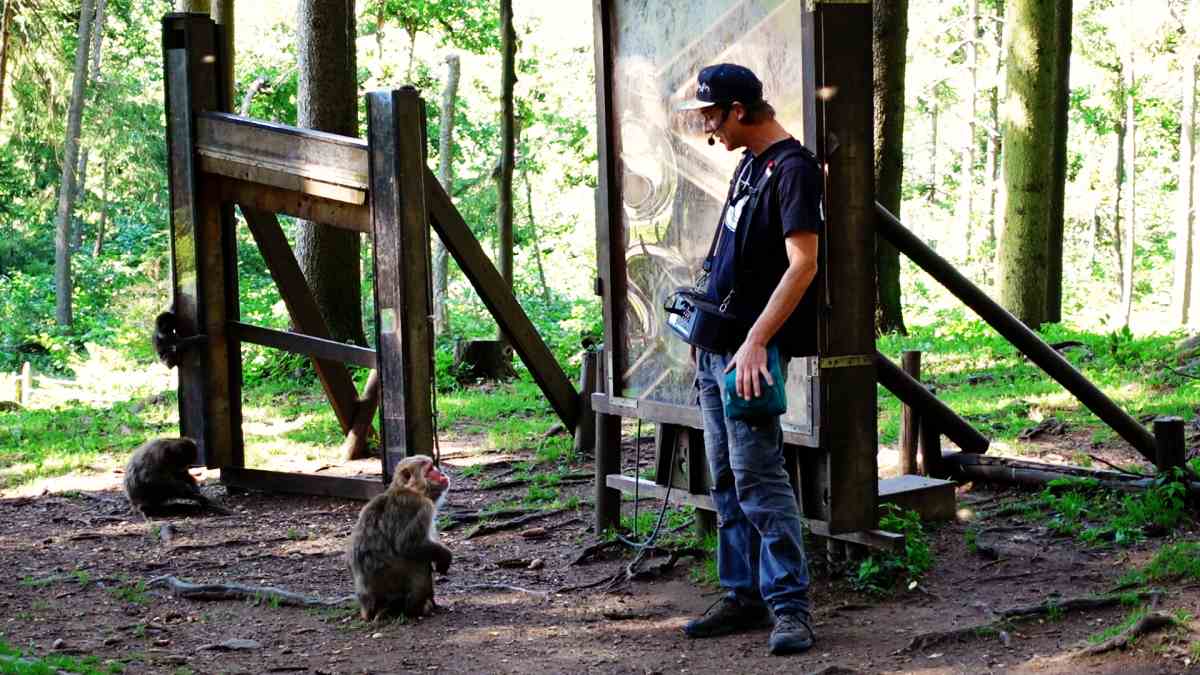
x=158, y=472
x=168, y=344
x=395, y=540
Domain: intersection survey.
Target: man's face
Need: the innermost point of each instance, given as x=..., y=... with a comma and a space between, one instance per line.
x=718, y=122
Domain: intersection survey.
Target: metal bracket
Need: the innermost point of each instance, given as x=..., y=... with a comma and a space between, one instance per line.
x=850, y=361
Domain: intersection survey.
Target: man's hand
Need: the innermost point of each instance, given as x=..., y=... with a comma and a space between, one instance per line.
x=750, y=361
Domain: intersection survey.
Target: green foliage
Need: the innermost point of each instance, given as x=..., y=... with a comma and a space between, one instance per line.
x=879, y=573
x=1113, y=631
x=1178, y=561
x=13, y=660
x=1082, y=508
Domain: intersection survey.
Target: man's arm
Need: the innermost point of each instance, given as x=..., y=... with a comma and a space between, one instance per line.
x=751, y=358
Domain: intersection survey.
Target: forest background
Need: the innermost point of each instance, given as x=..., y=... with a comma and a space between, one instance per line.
x=1128, y=195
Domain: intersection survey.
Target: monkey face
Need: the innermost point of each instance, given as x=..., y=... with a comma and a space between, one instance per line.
x=419, y=473
x=184, y=452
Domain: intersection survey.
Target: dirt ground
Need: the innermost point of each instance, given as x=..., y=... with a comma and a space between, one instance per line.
x=72, y=560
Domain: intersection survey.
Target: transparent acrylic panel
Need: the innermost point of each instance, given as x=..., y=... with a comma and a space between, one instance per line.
x=672, y=182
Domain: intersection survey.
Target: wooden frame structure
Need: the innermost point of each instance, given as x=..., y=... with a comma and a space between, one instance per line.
x=380, y=187
x=834, y=468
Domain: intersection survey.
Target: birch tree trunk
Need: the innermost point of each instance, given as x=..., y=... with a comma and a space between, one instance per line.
x=1185, y=210
x=196, y=6
x=966, y=197
x=327, y=101
x=1130, y=238
x=1028, y=157
x=1058, y=185
x=1118, y=204
x=890, y=38
x=996, y=145
x=537, y=240
x=441, y=257
x=66, y=190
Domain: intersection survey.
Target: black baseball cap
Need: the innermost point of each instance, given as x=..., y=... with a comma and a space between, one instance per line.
x=722, y=84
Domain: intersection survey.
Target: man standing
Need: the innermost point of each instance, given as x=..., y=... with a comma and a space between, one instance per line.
x=762, y=266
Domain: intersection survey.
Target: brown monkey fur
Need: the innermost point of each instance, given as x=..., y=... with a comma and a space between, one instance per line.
x=395, y=541
x=158, y=472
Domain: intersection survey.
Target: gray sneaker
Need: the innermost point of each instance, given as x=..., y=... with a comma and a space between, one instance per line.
x=792, y=634
x=729, y=614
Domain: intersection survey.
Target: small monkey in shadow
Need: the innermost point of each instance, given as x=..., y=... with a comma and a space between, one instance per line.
x=158, y=472
x=395, y=542
x=168, y=343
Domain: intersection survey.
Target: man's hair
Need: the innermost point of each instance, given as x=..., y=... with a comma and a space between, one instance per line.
x=758, y=111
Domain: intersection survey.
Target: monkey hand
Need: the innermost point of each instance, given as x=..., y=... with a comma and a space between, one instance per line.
x=442, y=564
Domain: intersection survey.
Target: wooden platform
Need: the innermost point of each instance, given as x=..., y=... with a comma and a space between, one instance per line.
x=934, y=499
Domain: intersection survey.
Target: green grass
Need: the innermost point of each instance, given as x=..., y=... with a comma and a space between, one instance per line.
x=1113, y=631
x=13, y=660
x=1172, y=562
x=879, y=573
x=1095, y=515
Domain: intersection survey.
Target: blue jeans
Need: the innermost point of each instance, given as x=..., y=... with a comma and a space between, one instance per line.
x=760, y=553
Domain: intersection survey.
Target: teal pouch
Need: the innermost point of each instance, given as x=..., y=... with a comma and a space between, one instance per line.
x=773, y=401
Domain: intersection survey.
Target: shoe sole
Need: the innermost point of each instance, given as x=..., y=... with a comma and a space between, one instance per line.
x=766, y=622
x=787, y=651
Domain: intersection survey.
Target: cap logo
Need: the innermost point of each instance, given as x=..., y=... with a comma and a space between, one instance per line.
x=703, y=90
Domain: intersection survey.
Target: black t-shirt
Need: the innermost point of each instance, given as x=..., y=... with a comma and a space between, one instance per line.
x=790, y=203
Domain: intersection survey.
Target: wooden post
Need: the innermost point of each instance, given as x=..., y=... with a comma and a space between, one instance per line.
x=845, y=123
x=607, y=461
x=910, y=361
x=402, y=282
x=931, y=449
x=1170, y=444
x=203, y=250
x=585, y=431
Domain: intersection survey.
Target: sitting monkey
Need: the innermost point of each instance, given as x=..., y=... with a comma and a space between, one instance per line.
x=395, y=540
x=158, y=472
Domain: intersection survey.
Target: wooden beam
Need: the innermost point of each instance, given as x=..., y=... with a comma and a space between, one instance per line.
x=931, y=408
x=845, y=141
x=298, y=343
x=343, y=487
x=297, y=204
x=874, y=538
x=302, y=160
x=302, y=308
x=402, y=273
x=500, y=301
x=1025, y=340
x=682, y=415
x=204, y=273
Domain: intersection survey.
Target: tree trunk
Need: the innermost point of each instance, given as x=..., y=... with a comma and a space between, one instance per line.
x=103, y=223
x=98, y=36
x=890, y=38
x=996, y=146
x=80, y=194
x=1057, y=230
x=1028, y=157
x=1185, y=210
x=1130, y=237
x=5, y=43
x=966, y=197
x=1120, y=186
x=933, y=147
x=327, y=101
x=441, y=257
x=222, y=13
x=66, y=190
x=537, y=240
x=508, y=50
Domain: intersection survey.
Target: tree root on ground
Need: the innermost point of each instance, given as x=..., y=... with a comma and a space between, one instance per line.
x=544, y=595
x=481, y=530
x=631, y=571
x=567, y=478
x=466, y=518
x=191, y=591
x=998, y=627
x=1147, y=624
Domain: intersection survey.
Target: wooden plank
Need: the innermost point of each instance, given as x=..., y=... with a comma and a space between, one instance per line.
x=915, y=394
x=500, y=301
x=299, y=205
x=930, y=448
x=670, y=413
x=610, y=228
x=280, y=178
x=298, y=343
x=1170, y=444
x=874, y=538
x=585, y=430
x=848, y=428
x=204, y=288
x=302, y=308
x=399, y=219
x=666, y=445
x=258, y=148
x=343, y=487
x=607, y=462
